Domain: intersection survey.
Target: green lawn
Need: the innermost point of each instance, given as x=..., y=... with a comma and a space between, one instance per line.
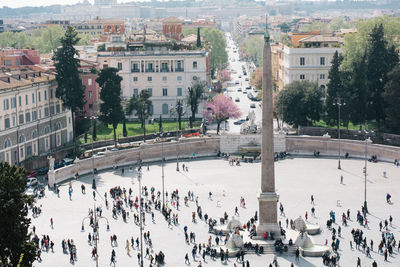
x=370, y=125
x=133, y=128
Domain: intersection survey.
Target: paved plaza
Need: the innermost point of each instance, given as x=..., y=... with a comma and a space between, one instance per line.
x=296, y=180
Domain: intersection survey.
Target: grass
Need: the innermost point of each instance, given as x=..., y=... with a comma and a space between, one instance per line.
x=133, y=128
x=351, y=126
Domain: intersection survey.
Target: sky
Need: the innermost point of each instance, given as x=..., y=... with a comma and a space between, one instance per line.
x=21, y=3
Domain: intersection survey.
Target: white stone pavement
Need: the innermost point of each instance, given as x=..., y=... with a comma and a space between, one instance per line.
x=296, y=180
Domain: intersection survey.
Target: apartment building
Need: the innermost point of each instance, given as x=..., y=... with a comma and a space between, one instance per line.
x=18, y=57
x=310, y=60
x=32, y=120
x=100, y=27
x=165, y=73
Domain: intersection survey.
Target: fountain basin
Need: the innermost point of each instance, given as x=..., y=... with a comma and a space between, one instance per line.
x=315, y=251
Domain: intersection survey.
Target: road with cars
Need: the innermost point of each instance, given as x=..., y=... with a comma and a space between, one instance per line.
x=236, y=89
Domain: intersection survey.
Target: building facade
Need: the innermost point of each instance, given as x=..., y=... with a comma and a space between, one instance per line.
x=310, y=62
x=18, y=57
x=33, y=121
x=100, y=27
x=89, y=74
x=167, y=75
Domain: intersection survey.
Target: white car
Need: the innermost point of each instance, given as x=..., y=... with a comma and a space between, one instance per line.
x=31, y=192
x=99, y=154
x=31, y=181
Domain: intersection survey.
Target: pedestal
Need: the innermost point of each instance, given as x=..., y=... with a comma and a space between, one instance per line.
x=52, y=178
x=268, y=214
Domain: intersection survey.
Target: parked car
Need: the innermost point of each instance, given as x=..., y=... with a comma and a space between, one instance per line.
x=244, y=92
x=43, y=171
x=31, y=182
x=32, y=174
x=99, y=154
x=247, y=79
x=114, y=149
x=31, y=192
x=239, y=89
x=237, y=82
x=252, y=105
x=237, y=99
x=239, y=122
x=248, y=87
x=67, y=161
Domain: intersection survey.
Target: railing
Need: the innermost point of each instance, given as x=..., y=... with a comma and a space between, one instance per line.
x=149, y=70
x=164, y=70
x=179, y=70
x=135, y=70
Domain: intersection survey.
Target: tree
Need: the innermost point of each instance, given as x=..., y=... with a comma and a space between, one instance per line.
x=196, y=92
x=335, y=88
x=124, y=131
x=256, y=79
x=299, y=103
x=69, y=84
x=285, y=28
x=160, y=129
x=224, y=75
x=110, y=95
x=142, y=106
x=392, y=99
x=380, y=60
x=94, y=133
x=198, y=42
x=14, y=236
x=220, y=109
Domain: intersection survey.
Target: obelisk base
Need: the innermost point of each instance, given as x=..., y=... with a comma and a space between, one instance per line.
x=268, y=214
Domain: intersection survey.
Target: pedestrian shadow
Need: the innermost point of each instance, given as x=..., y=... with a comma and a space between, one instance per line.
x=358, y=176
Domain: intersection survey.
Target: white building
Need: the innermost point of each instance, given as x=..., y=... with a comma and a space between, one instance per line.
x=33, y=121
x=166, y=74
x=311, y=61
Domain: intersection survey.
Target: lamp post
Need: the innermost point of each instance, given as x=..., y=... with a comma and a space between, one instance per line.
x=93, y=177
x=339, y=102
x=94, y=223
x=162, y=168
x=179, y=110
x=367, y=140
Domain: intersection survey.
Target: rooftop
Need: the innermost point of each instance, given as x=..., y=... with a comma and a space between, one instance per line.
x=12, y=77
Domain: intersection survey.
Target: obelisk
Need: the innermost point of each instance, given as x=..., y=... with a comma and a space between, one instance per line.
x=267, y=198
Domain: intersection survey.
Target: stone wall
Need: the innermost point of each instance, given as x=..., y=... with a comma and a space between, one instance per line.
x=232, y=143
x=147, y=152
x=306, y=145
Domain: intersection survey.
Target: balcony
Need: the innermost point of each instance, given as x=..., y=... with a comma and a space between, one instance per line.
x=179, y=70
x=164, y=70
x=135, y=70
x=149, y=70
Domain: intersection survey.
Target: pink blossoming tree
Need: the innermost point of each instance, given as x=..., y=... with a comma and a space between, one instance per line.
x=220, y=109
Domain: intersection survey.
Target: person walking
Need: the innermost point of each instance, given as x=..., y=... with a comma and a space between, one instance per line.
x=312, y=199
x=341, y=179
x=51, y=223
x=236, y=211
x=112, y=257
x=187, y=259
x=358, y=262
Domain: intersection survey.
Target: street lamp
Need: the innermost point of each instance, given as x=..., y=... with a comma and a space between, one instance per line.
x=94, y=223
x=339, y=102
x=162, y=167
x=179, y=110
x=367, y=140
x=93, y=177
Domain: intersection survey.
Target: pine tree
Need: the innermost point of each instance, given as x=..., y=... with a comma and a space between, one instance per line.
x=198, y=43
x=14, y=236
x=124, y=131
x=69, y=84
x=392, y=100
x=195, y=93
x=335, y=89
x=111, y=109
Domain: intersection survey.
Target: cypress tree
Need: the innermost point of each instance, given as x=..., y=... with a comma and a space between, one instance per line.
x=198, y=43
x=160, y=129
x=124, y=131
x=335, y=88
x=94, y=134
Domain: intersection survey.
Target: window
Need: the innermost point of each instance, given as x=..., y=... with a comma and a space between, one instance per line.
x=47, y=129
x=149, y=78
x=6, y=104
x=18, y=62
x=179, y=78
x=322, y=61
x=135, y=67
x=150, y=90
x=58, y=126
x=302, y=61
x=26, y=100
x=52, y=110
x=34, y=134
x=22, y=152
x=7, y=123
x=7, y=143
x=322, y=76
x=165, y=92
x=179, y=91
x=135, y=79
x=39, y=96
x=302, y=76
x=136, y=91
x=90, y=94
x=45, y=95
x=7, y=62
x=14, y=121
x=22, y=138
x=34, y=115
x=90, y=107
x=150, y=67
x=51, y=93
x=194, y=64
x=13, y=102
x=28, y=151
x=164, y=67
x=164, y=109
x=89, y=82
x=33, y=98
x=34, y=148
x=57, y=108
x=47, y=143
x=46, y=112
x=164, y=78
x=119, y=66
x=179, y=66
x=19, y=101
x=21, y=118
x=28, y=117
x=40, y=114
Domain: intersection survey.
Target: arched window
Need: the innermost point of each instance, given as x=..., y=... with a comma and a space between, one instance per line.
x=47, y=129
x=7, y=143
x=22, y=138
x=58, y=126
x=34, y=134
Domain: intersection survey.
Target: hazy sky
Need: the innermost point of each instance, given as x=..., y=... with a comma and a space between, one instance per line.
x=20, y=3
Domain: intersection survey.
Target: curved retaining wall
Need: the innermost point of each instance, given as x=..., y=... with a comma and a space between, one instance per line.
x=147, y=152
x=306, y=145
